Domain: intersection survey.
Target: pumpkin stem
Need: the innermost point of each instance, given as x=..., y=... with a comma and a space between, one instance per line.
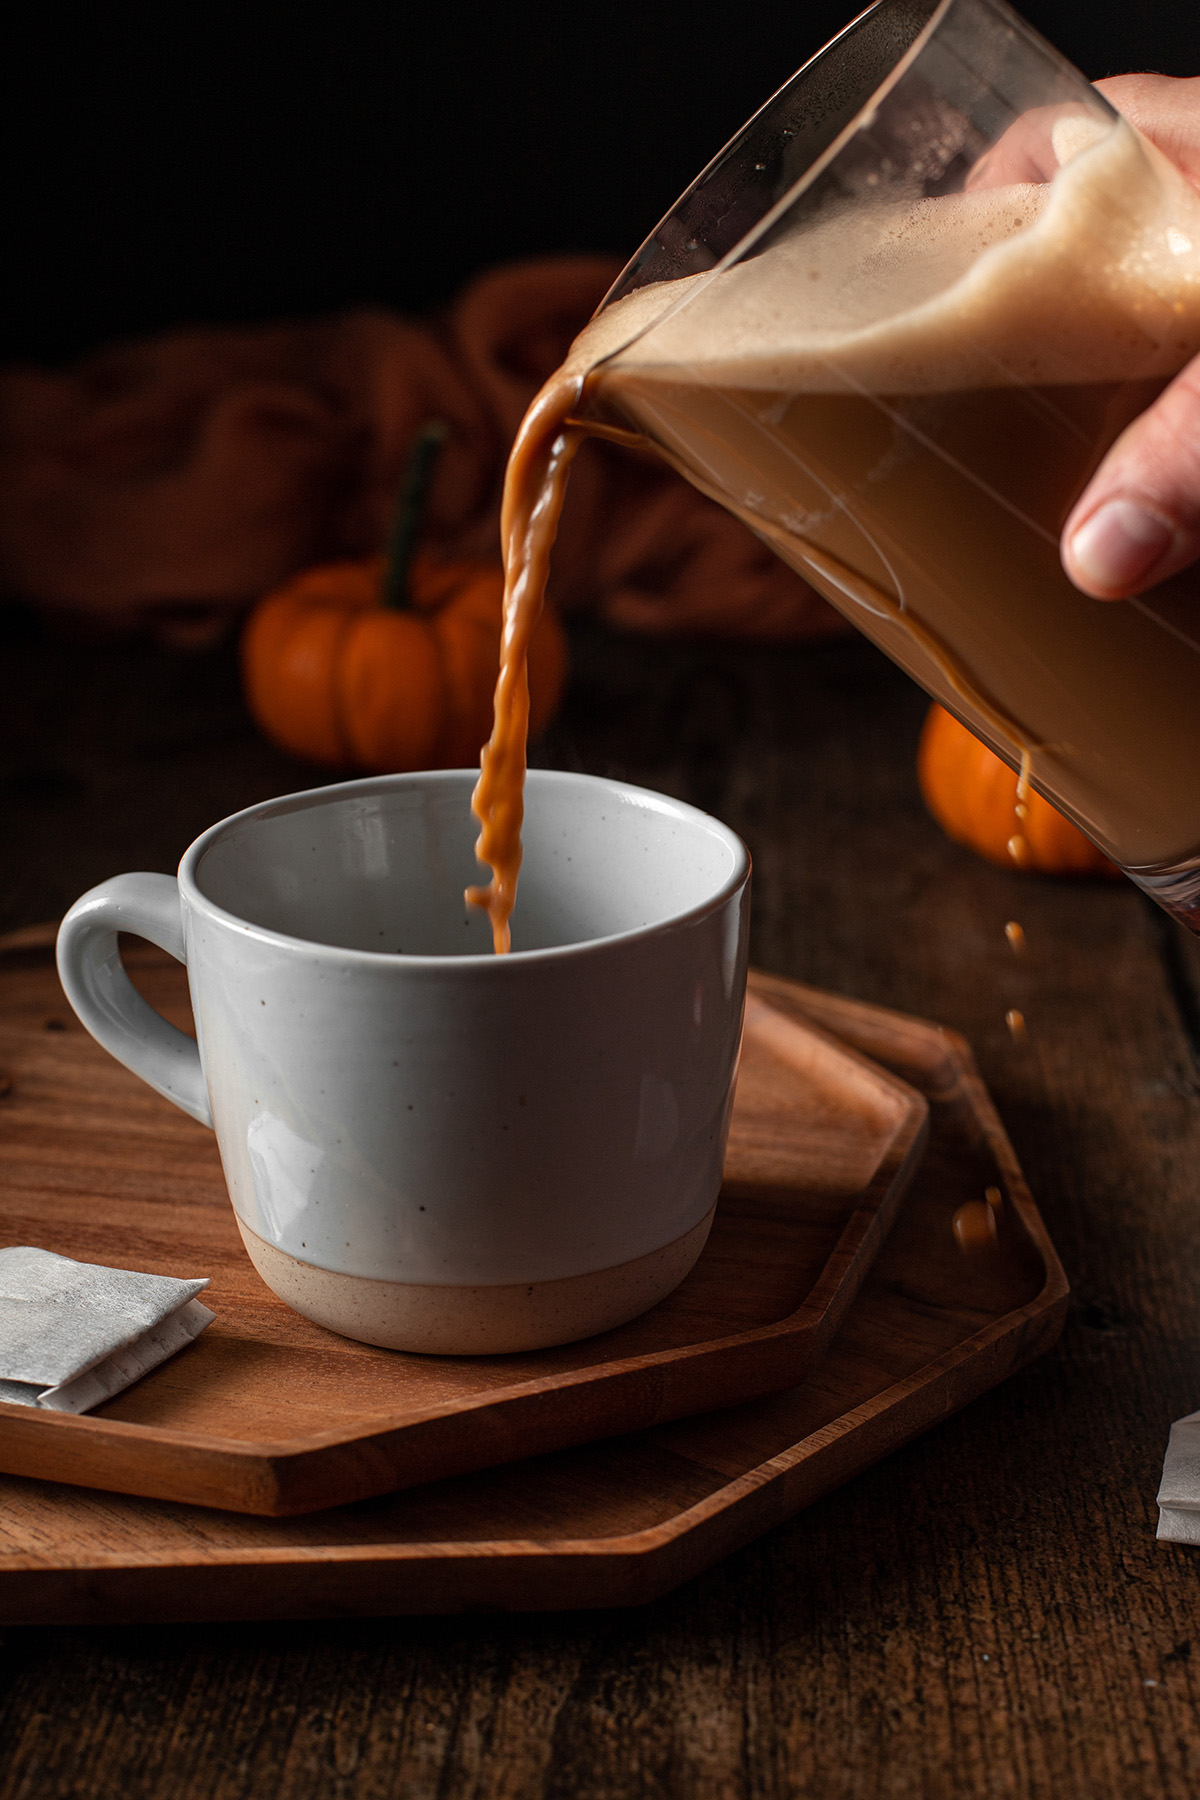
x=406, y=520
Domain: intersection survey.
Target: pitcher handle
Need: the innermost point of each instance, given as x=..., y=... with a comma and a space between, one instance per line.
x=106, y=1001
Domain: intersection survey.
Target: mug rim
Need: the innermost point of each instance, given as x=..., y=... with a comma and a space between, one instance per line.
x=305, y=798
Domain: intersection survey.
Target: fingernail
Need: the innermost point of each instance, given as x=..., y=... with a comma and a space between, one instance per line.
x=1119, y=545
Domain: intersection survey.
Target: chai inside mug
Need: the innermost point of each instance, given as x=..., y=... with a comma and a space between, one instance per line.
x=428, y=1146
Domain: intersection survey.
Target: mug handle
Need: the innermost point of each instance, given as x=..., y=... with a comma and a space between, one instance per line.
x=106, y=1001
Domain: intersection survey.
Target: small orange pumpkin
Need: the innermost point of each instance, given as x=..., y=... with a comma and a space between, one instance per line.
x=391, y=663
x=973, y=796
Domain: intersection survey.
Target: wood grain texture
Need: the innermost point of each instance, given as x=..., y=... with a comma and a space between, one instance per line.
x=622, y=1522
x=976, y=1616
x=268, y=1413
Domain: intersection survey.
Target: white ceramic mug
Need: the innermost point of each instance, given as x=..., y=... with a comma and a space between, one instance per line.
x=428, y=1146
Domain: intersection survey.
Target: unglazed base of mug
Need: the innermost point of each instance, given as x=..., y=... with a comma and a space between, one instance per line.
x=476, y=1321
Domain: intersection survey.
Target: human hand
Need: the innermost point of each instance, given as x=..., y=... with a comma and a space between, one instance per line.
x=1138, y=520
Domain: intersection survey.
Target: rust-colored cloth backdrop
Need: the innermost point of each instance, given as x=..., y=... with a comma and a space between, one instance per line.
x=170, y=482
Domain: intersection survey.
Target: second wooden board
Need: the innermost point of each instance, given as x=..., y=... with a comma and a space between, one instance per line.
x=616, y=1523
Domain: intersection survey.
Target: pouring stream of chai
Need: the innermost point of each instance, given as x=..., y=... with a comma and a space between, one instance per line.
x=535, y=486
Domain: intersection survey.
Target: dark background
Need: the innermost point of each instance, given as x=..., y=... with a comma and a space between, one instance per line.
x=169, y=163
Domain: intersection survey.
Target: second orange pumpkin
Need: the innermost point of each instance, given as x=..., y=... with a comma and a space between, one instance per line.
x=973, y=796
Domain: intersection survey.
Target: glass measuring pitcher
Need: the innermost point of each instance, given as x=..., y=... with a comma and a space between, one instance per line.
x=894, y=327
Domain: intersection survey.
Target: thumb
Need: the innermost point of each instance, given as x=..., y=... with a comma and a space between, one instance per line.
x=1138, y=520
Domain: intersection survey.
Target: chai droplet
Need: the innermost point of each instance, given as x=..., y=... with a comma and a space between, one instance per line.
x=1023, y=779
x=1015, y=1020
x=1015, y=933
x=1018, y=843
x=975, y=1227
x=994, y=1198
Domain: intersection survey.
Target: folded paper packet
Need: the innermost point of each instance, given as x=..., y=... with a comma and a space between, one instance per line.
x=1179, y=1491
x=73, y=1334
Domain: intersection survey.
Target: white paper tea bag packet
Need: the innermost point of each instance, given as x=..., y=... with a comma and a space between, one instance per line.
x=1179, y=1491
x=73, y=1334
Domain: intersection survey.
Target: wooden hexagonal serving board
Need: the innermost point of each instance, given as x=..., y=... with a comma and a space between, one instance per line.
x=267, y=1413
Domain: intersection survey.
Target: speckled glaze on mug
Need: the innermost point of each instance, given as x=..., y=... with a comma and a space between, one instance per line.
x=428, y=1146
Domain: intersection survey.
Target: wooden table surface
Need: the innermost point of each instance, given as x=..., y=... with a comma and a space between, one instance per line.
x=986, y=1613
